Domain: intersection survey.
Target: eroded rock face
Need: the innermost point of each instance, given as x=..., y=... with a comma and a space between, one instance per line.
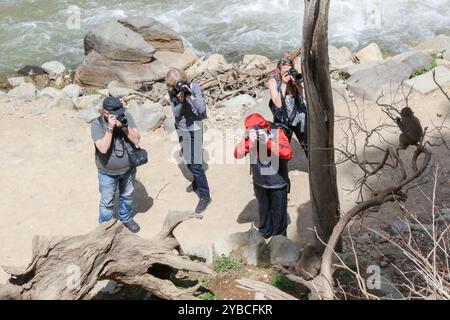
x=116, y=42
x=160, y=36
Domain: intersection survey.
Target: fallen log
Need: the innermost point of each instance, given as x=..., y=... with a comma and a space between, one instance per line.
x=263, y=291
x=69, y=267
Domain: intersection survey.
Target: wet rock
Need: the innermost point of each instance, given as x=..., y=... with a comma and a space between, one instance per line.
x=116, y=42
x=160, y=36
x=424, y=83
x=54, y=69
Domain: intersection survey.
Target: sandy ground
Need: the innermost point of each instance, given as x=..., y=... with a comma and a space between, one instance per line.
x=50, y=187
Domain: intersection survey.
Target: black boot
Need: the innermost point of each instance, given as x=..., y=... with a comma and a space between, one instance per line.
x=202, y=205
x=132, y=226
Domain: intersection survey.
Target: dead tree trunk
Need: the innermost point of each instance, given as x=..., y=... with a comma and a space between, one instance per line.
x=315, y=67
x=69, y=267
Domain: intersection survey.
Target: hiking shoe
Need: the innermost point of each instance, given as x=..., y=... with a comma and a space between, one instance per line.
x=191, y=188
x=202, y=205
x=132, y=226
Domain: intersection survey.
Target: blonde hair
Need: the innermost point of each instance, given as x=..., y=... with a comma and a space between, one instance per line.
x=173, y=76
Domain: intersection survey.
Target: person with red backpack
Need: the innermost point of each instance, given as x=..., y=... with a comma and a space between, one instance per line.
x=270, y=151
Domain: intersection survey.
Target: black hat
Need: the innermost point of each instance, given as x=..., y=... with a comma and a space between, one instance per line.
x=113, y=105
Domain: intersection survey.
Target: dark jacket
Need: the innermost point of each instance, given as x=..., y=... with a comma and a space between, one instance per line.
x=269, y=167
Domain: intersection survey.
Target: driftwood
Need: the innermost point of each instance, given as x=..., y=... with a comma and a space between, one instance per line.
x=69, y=267
x=263, y=291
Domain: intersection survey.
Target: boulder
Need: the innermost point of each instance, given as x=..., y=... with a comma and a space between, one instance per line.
x=246, y=246
x=89, y=114
x=62, y=102
x=97, y=71
x=25, y=90
x=31, y=71
x=216, y=63
x=346, y=53
x=204, y=252
x=160, y=36
x=251, y=61
x=197, y=69
x=95, y=101
x=282, y=251
x=353, y=68
x=17, y=81
x=444, y=63
x=177, y=60
x=424, y=83
x=153, y=106
x=169, y=124
x=54, y=69
x=73, y=90
x=116, y=90
x=236, y=106
x=146, y=119
x=50, y=92
x=370, y=82
x=435, y=44
x=41, y=81
x=116, y=42
x=370, y=53
x=337, y=58
x=415, y=59
x=262, y=107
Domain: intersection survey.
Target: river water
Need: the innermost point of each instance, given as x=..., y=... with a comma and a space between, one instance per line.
x=35, y=31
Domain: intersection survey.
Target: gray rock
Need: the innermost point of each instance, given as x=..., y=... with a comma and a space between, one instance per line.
x=415, y=59
x=88, y=115
x=353, y=68
x=25, y=90
x=73, y=90
x=119, y=92
x=119, y=43
x=169, y=125
x=424, y=83
x=216, y=63
x=443, y=62
x=255, y=61
x=369, y=83
x=50, y=92
x=17, y=81
x=62, y=102
x=54, y=69
x=153, y=106
x=202, y=251
x=282, y=251
x=238, y=104
x=388, y=289
x=177, y=60
x=346, y=53
x=150, y=121
x=98, y=71
x=247, y=246
x=160, y=36
x=398, y=227
x=85, y=102
x=438, y=43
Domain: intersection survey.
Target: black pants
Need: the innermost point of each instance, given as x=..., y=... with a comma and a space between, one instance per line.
x=302, y=137
x=192, y=147
x=272, y=204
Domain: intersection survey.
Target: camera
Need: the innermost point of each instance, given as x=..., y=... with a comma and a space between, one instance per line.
x=122, y=119
x=182, y=86
x=258, y=130
x=297, y=75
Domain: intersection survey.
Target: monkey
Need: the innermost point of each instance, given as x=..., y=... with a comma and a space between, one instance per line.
x=309, y=263
x=411, y=128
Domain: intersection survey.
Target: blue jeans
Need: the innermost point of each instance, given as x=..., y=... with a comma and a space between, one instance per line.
x=108, y=186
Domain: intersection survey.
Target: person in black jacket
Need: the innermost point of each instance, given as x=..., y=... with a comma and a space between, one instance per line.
x=189, y=110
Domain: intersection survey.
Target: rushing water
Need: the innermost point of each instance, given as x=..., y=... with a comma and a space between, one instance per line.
x=35, y=31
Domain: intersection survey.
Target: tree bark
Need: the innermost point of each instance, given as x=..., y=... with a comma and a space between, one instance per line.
x=319, y=97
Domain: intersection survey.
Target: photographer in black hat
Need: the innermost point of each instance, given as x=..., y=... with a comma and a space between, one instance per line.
x=112, y=133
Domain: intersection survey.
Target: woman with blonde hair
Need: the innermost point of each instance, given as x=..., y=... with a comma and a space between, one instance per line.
x=287, y=100
x=189, y=110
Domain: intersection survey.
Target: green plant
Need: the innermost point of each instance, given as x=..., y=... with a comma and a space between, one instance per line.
x=420, y=71
x=224, y=264
x=281, y=282
x=207, y=296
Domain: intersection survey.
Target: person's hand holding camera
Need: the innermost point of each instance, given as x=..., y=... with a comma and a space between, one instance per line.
x=112, y=121
x=262, y=136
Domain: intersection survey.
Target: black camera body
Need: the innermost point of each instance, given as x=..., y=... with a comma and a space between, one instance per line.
x=297, y=75
x=182, y=86
x=122, y=119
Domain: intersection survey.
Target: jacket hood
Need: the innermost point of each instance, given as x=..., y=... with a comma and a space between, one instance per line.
x=256, y=120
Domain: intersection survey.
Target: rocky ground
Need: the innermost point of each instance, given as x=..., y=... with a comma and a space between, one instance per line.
x=49, y=177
